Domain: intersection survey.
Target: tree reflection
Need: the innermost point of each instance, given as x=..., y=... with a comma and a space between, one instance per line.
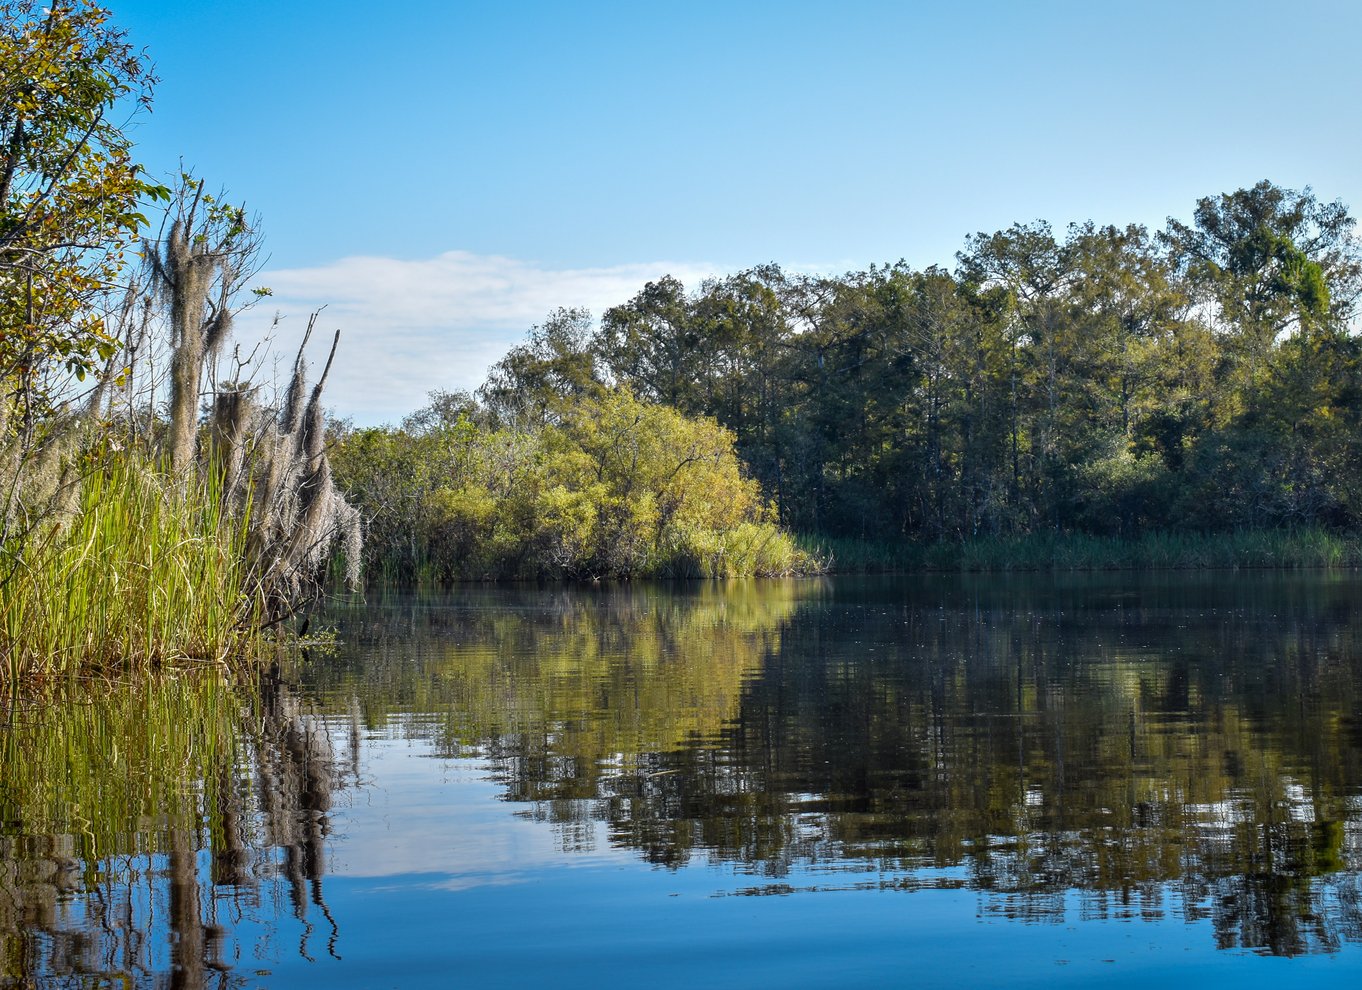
x=1186, y=747
x=1137, y=750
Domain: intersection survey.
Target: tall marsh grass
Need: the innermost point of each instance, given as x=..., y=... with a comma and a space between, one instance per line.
x=750, y=549
x=144, y=571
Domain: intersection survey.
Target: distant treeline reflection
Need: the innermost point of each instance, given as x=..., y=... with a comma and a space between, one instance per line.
x=1190, y=747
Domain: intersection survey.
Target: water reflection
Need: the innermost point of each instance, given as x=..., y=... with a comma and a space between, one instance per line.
x=156, y=834
x=561, y=690
x=1185, y=747
x=1179, y=750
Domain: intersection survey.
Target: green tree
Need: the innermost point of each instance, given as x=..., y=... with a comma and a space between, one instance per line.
x=1137, y=380
x=442, y=410
x=744, y=324
x=1279, y=274
x=1030, y=267
x=1269, y=261
x=69, y=190
x=533, y=381
x=614, y=487
x=653, y=344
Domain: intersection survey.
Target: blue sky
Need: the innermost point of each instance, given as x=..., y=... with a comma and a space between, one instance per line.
x=442, y=174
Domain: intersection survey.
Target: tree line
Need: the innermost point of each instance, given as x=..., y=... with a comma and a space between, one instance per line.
x=1106, y=380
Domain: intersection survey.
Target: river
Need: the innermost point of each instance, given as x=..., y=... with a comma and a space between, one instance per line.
x=930, y=781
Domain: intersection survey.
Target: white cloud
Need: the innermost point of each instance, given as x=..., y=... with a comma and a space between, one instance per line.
x=408, y=327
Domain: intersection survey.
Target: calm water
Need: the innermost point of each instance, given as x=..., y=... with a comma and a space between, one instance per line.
x=942, y=782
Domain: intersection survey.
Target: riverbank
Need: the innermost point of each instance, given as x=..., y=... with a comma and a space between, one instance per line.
x=1244, y=549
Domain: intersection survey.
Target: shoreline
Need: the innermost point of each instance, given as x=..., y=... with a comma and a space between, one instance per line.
x=1304, y=549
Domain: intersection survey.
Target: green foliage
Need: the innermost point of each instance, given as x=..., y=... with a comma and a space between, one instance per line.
x=1270, y=258
x=1106, y=380
x=532, y=382
x=69, y=190
x=107, y=562
x=617, y=487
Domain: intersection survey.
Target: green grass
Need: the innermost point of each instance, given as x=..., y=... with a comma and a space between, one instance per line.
x=1282, y=549
x=144, y=572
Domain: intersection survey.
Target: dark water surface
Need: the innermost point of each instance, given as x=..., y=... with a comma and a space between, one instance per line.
x=929, y=782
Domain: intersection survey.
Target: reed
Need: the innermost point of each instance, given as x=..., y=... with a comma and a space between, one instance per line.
x=750, y=549
x=144, y=571
x=844, y=555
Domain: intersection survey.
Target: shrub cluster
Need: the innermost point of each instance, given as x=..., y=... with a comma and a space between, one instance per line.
x=609, y=487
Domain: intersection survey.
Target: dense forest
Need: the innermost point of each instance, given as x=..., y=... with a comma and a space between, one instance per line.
x=1203, y=378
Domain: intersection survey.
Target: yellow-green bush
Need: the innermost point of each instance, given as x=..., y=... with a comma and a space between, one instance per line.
x=613, y=487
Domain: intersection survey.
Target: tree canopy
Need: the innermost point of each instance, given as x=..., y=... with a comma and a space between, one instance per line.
x=1102, y=379
x=70, y=192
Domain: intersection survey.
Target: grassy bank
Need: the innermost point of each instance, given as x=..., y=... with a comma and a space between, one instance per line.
x=1286, y=549
x=138, y=572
